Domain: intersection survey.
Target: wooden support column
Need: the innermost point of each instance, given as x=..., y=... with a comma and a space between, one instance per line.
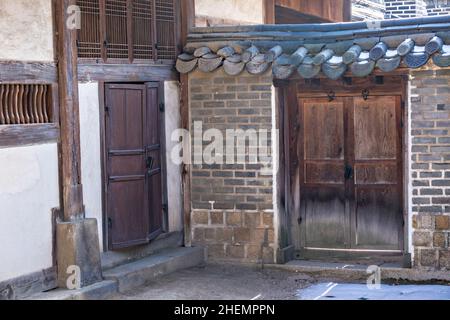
x=72, y=197
x=187, y=22
x=77, y=241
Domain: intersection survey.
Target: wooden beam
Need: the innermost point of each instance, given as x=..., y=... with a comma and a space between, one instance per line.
x=28, y=72
x=125, y=72
x=25, y=135
x=187, y=23
x=69, y=115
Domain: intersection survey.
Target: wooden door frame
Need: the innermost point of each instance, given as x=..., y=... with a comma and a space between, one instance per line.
x=397, y=84
x=103, y=155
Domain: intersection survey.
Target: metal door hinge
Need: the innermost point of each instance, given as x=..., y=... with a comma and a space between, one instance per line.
x=300, y=220
x=365, y=94
x=107, y=109
x=162, y=107
x=109, y=223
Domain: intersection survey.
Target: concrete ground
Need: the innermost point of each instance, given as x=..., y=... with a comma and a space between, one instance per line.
x=241, y=282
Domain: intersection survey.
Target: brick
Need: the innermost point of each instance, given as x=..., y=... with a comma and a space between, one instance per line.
x=442, y=222
x=422, y=239
x=214, y=104
x=235, y=252
x=224, y=235
x=241, y=235
x=428, y=257
x=439, y=239
x=199, y=235
x=216, y=218
x=200, y=217
x=210, y=234
x=444, y=259
x=233, y=218
x=216, y=251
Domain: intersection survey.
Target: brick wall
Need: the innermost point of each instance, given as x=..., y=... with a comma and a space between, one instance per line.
x=232, y=204
x=438, y=7
x=430, y=163
x=405, y=8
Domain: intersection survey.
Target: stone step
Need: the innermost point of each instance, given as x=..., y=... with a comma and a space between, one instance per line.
x=140, y=272
x=97, y=291
x=131, y=275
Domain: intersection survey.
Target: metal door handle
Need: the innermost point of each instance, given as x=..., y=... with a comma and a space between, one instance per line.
x=150, y=162
x=348, y=172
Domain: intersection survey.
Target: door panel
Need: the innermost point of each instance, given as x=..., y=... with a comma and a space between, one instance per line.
x=375, y=128
x=377, y=218
x=323, y=203
x=154, y=164
x=134, y=173
x=377, y=162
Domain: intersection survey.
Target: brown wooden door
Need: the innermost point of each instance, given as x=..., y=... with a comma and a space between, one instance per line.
x=350, y=173
x=133, y=164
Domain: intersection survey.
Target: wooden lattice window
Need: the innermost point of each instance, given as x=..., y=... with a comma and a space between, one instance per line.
x=25, y=104
x=127, y=30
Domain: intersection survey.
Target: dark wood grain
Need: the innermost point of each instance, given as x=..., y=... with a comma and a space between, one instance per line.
x=22, y=135
x=28, y=72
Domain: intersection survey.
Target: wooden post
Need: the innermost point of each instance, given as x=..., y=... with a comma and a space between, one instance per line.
x=77, y=241
x=187, y=22
x=269, y=11
x=72, y=197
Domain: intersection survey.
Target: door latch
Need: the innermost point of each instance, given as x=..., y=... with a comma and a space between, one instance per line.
x=348, y=172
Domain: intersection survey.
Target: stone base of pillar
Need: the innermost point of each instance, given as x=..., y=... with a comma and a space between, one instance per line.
x=78, y=254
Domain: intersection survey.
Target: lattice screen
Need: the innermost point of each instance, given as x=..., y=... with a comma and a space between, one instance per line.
x=132, y=29
x=25, y=104
x=89, y=39
x=165, y=29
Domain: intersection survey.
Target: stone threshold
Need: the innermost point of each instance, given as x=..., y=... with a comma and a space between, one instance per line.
x=358, y=272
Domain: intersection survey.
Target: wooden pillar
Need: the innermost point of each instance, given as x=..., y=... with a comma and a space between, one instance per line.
x=269, y=11
x=72, y=197
x=187, y=22
x=77, y=241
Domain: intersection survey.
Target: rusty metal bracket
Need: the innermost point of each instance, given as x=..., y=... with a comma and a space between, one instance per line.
x=365, y=94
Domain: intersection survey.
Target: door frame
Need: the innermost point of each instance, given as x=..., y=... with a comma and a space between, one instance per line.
x=103, y=157
x=377, y=85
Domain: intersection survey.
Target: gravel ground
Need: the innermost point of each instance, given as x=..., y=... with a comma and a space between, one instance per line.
x=223, y=282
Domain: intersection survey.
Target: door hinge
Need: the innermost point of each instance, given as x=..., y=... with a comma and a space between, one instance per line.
x=165, y=208
x=162, y=107
x=107, y=109
x=109, y=223
x=300, y=220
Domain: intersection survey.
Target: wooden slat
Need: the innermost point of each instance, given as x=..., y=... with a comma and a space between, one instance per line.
x=126, y=72
x=25, y=104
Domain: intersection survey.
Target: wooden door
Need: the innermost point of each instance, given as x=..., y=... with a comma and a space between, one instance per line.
x=351, y=173
x=133, y=164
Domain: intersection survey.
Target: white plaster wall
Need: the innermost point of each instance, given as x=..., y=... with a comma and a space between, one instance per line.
x=91, y=170
x=174, y=183
x=26, y=30
x=29, y=190
x=250, y=11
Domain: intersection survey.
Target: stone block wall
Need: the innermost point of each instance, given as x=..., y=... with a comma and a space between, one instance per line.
x=232, y=204
x=430, y=164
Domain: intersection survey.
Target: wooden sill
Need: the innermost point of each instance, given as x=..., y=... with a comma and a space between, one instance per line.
x=28, y=134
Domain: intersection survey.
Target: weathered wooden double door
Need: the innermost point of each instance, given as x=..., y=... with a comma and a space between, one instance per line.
x=134, y=195
x=351, y=172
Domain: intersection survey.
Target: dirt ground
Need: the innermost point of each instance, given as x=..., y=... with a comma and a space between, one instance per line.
x=223, y=282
